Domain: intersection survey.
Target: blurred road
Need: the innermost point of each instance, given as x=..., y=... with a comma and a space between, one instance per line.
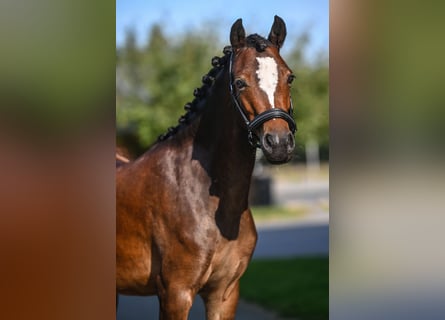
x=311, y=194
x=293, y=239
x=147, y=308
x=308, y=235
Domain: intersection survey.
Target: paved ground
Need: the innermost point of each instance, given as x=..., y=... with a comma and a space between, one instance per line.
x=306, y=236
x=147, y=308
x=290, y=239
x=314, y=194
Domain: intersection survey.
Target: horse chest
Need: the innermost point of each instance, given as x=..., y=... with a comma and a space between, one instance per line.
x=229, y=261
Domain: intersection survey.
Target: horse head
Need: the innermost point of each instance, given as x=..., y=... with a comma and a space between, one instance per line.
x=260, y=86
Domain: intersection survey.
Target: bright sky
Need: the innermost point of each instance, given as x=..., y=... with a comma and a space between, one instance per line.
x=179, y=15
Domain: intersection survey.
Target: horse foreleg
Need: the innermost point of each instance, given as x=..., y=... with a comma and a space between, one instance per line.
x=221, y=304
x=174, y=302
x=175, y=305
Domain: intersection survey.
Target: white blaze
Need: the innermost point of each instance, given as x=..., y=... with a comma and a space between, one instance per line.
x=268, y=75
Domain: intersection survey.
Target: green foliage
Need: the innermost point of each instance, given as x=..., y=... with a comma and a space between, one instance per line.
x=296, y=287
x=155, y=81
x=310, y=93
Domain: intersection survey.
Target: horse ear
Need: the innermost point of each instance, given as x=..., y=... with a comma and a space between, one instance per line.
x=277, y=32
x=237, y=35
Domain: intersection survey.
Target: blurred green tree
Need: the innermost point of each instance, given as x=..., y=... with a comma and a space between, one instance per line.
x=310, y=93
x=155, y=81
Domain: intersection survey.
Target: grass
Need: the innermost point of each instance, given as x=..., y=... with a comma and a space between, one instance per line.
x=265, y=213
x=296, y=287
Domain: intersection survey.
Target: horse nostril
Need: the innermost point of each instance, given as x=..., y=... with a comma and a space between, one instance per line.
x=268, y=142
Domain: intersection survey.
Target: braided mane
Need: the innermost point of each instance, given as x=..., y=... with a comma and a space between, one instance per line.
x=192, y=108
x=208, y=80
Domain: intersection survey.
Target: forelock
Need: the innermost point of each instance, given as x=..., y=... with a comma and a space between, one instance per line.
x=258, y=42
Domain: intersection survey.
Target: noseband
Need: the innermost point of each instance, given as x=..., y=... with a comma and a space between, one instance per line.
x=261, y=118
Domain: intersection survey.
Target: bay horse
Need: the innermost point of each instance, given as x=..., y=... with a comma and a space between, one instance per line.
x=184, y=226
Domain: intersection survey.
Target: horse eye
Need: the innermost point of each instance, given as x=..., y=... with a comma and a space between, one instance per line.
x=240, y=84
x=290, y=79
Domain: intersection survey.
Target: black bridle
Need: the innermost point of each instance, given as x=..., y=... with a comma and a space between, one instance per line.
x=261, y=118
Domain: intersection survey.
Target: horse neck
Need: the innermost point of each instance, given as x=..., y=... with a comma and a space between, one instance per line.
x=221, y=140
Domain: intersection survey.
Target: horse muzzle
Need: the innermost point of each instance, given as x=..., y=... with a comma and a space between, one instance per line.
x=277, y=146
